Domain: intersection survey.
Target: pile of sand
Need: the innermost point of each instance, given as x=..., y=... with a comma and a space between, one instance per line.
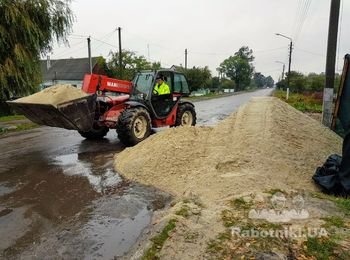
x=267, y=144
x=54, y=95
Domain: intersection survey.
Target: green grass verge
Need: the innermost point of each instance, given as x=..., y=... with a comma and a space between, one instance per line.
x=342, y=203
x=158, y=241
x=184, y=211
x=240, y=203
x=321, y=248
x=334, y=221
x=12, y=118
x=301, y=102
x=20, y=127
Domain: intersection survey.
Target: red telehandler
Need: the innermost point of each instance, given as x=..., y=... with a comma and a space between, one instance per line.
x=129, y=107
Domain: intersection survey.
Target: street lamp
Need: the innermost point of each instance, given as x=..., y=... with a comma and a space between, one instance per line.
x=284, y=65
x=290, y=54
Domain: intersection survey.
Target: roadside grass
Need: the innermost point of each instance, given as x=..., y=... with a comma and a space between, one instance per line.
x=158, y=241
x=239, y=242
x=240, y=203
x=304, y=103
x=232, y=245
x=12, y=118
x=320, y=248
x=342, y=203
x=334, y=221
x=19, y=127
x=216, y=95
x=184, y=211
x=274, y=191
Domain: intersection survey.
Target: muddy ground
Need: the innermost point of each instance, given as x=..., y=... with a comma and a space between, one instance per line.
x=60, y=196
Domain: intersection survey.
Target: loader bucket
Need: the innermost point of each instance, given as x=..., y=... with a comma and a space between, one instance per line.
x=77, y=114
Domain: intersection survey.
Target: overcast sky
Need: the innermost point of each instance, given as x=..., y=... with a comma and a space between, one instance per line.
x=210, y=30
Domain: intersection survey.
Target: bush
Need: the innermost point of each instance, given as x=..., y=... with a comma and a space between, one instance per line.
x=302, y=102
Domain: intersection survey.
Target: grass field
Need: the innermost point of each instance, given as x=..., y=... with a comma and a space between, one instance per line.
x=302, y=102
x=11, y=118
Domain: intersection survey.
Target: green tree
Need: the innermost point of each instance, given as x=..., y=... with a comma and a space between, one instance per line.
x=27, y=30
x=282, y=84
x=245, y=53
x=215, y=82
x=298, y=82
x=269, y=81
x=131, y=63
x=259, y=79
x=227, y=83
x=239, y=67
x=315, y=82
x=197, y=77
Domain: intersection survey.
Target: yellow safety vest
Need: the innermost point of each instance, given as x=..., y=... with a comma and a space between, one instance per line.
x=161, y=89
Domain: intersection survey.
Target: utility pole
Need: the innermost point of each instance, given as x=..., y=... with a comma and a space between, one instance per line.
x=284, y=66
x=185, y=59
x=89, y=53
x=330, y=63
x=149, y=57
x=290, y=61
x=120, y=53
x=290, y=55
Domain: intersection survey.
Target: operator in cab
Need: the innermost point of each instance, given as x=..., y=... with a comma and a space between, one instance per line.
x=161, y=88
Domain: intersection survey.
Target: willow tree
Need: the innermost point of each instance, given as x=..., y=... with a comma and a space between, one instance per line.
x=28, y=29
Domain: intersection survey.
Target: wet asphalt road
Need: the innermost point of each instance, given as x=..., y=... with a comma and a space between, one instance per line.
x=60, y=197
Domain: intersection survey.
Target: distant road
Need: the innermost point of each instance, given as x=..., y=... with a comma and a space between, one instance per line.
x=209, y=112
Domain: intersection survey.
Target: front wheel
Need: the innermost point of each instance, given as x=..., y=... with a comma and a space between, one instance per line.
x=186, y=115
x=134, y=125
x=96, y=132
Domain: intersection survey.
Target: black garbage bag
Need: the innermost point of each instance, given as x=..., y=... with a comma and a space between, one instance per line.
x=334, y=175
x=327, y=176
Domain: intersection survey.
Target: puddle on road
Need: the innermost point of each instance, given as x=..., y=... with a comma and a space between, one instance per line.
x=211, y=121
x=101, y=178
x=5, y=188
x=71, y=206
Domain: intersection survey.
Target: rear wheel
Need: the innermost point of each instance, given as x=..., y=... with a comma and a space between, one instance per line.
x=186, y=115
x=97, y=132
x=134, y=125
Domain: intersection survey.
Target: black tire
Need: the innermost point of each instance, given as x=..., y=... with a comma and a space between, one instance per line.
x=134, y=126
x=97, y=132
x=186, y=115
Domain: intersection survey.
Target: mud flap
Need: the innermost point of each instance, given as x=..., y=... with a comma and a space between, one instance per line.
x=76, y=114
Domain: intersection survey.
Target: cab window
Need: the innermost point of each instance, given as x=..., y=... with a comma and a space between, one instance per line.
x=177, y=83
x=180, y=84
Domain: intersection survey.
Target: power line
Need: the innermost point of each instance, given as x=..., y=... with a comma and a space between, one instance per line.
x=310, y=52
x=79, y=36
x=70, y=50
x=114, y=46
x=298, y=11
x=228, y=54
x=302, y=19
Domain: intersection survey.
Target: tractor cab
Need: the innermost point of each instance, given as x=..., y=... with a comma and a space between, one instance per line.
x=160, y=105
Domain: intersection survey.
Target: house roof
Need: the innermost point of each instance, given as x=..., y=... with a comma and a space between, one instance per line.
x=66, y=69
x=176, y=68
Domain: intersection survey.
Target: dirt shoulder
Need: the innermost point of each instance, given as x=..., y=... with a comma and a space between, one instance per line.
x=266, y=146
